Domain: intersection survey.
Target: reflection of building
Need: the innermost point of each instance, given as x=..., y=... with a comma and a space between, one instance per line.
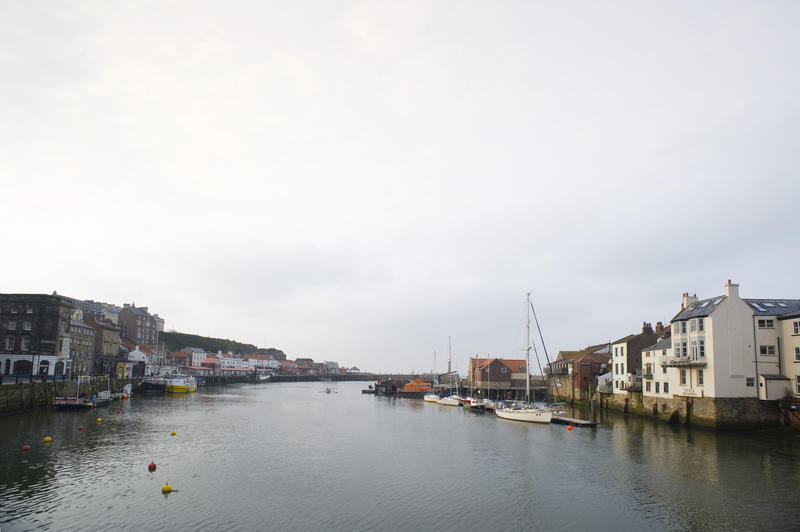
x=34, y=334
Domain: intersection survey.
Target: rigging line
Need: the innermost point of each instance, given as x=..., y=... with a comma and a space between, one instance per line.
x=546, y=356
x=539, y=363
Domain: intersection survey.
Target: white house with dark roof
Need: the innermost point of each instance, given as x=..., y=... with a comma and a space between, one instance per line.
x=789, y=347
x=727, y=347
x=658, y=381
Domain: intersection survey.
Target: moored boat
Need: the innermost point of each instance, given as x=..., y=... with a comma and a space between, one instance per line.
x=153, y=384
x=524, y=412
x=418, y=385
x=431, y=397
x=181, y=384
x=449, y=400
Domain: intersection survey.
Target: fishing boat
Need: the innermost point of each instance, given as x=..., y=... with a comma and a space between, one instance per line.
x=474, y=404
x=525, y=411
x=179, y=383
x=153, y=384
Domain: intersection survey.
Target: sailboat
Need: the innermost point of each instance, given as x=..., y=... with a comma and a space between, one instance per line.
x=526, y=411
x=452, y=399
x=432, y=397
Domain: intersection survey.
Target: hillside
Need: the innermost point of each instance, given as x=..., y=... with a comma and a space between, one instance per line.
x=175, y=341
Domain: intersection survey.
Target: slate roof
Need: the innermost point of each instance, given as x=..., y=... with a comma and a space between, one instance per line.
x=774, y=307
x=699, y=309
x=663, y=343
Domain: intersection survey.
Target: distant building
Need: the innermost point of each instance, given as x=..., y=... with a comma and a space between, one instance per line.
x=197, y=355
x=138, y=326
x=573, y=375
x=34, y=334
x=331, y=368
x=107, y=343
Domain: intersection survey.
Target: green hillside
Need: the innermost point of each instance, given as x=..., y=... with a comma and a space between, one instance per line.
x=176, y=341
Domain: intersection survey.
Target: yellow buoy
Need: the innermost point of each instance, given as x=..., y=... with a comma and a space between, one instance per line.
x=47, y=439
x=173, y=433
x=99, y=420
x=166, y=488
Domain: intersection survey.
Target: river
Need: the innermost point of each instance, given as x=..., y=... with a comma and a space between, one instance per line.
x=292, y=457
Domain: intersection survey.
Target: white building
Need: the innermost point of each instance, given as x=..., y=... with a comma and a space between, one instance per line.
x=789, y=349
x=729, y=347
x=656, y=378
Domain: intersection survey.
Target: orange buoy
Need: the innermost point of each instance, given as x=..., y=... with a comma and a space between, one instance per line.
x=569, y=427
x=124, y=396
x=26, y=447
x=118, y=411
x=151, y=467
x=80, y=427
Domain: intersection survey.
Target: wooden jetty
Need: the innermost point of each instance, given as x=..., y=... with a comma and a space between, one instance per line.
x=573, y=421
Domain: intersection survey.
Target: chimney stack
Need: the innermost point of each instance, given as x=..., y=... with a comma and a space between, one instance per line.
x=688, y=300
x=659, y=328
x=732, y=289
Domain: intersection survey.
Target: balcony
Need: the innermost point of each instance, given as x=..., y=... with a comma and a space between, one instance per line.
x=648, y=375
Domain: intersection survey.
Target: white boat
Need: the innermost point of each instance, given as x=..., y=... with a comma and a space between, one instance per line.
x=178, y=383
x=430, y=397
x=449, y=400
x=526, y=411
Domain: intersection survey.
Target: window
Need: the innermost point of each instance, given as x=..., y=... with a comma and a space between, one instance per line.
x=694, y=349
x=766, y=324
x=701, y=325
x=751, y=382
x=767, y=349
x=797, y=354
x=796, y=327
x=12, y=325
x=29, y=309
x=693, y=325
x=663, y=369
x=616, y=369
x=13, y=309
x=683, y=376
x=26, y=343
x=683, y=327
x=622, y=368
x=702, y=348
x=666, y=387
x=798, y=384
x=504, y=370
x=616, y=351
x=616, y=384
x=9, y=343
x=699, y=377
x=647, y=386
x=622, y=351
x=684, y=349
x=27, y=325
x=657, y=386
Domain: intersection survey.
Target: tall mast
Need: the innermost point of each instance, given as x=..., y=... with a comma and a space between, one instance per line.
x=527, y=347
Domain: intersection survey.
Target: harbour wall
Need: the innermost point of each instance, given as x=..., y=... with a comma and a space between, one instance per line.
x=37, y=394
x=714, y=413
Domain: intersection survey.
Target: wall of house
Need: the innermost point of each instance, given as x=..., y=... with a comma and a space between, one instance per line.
x=790, y=353
x=731, y=356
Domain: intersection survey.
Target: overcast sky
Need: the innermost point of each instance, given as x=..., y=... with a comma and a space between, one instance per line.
x=357, y=181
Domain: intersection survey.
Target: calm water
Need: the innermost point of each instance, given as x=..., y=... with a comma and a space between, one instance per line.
x=291, y=457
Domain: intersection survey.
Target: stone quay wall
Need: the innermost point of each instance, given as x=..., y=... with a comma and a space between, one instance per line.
x=716, y=413
x=37, y=394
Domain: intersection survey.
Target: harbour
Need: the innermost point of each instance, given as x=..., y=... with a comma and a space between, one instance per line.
x=248, y=456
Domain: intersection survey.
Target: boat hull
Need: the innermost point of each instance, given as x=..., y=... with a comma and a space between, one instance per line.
x=430, y=398
x=530, y=415
x=181, y=385
x=448, y=401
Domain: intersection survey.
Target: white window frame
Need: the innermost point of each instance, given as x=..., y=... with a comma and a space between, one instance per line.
x=797, y=354
x=767, y=350
x=27, y=325
x=666, y=387
x=12, y=325
x=795, y=328
x=701, y=324
x=683, y=377
x=700, y=377
x=766, y=324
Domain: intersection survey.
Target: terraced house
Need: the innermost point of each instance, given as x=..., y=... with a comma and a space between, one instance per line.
x=729, y=361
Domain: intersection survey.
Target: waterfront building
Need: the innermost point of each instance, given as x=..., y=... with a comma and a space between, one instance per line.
x=727, y=362
x=626, y=358
x=34, y=334
x=97, y=308
x=331, y=368
x=790, y=351
x=107, y=343
x=138, y=326
x=142, y=361
x=573, y=375
x=197, y=355
x=81, y=347
x=657, y=382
